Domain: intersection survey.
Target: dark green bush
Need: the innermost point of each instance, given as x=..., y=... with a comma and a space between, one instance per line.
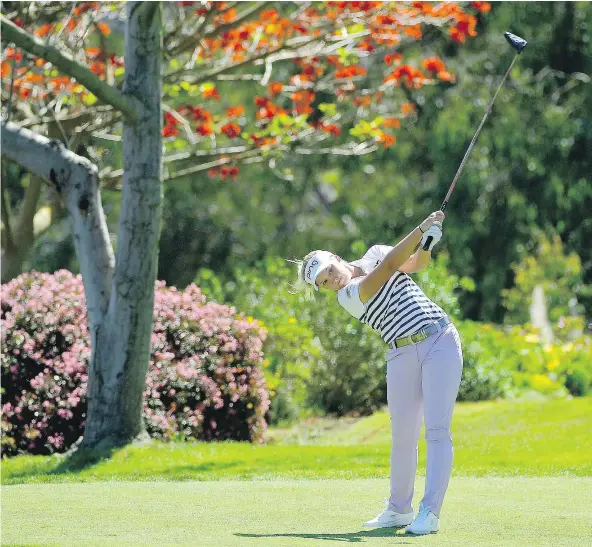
x=578, y=381
x=348, y=377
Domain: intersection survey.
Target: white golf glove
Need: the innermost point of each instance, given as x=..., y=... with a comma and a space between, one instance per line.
x=436, y=232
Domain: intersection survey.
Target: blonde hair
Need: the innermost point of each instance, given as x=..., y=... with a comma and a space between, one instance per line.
x=300, y=285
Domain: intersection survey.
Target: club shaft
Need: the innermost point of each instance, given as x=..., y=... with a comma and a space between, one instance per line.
x=473, y=141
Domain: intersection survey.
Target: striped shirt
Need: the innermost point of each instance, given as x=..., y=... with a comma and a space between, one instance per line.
x=398, y=309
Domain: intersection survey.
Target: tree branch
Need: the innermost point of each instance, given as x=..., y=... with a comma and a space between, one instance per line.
x=40, y=155
x=64, y=62
x=249, y=12
x=192, y=38
x=76, y=180
x=266, y=56
x=350, y=149
x=112, y=179
x=188, y=154
x=216, y=163
x=72, y=118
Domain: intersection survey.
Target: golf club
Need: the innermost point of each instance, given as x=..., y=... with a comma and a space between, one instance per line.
x=518, y=44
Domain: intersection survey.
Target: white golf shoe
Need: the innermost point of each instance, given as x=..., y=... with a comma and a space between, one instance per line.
x=389, y=518
x=425, y=522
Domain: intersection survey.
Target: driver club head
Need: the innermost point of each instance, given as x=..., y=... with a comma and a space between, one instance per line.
x=515, y=41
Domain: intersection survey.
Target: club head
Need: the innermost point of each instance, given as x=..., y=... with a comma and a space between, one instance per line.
x=515, y=41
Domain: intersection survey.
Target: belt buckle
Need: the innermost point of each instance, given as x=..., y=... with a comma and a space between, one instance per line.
x=406, y=339
x=419, y=336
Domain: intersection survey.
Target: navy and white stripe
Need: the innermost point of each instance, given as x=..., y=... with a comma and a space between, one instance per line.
x=400, y=308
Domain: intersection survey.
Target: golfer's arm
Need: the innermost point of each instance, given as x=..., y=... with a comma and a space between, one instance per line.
x=417, y=261
x=392, y=262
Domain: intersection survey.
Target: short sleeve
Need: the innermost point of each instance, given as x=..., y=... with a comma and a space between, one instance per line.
x=378, y=252
x=372, y=257
x=349, y=298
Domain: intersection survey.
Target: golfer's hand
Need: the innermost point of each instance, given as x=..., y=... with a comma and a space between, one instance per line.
x=435, y=232
x=436, y=216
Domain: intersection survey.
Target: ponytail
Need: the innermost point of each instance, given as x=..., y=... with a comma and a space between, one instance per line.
x=300, y=285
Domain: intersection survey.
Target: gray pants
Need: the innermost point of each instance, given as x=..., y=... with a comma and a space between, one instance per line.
x=422, y=381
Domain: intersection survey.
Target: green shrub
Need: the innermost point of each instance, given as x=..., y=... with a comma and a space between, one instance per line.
x=514, y=360
x=442, y=286
x=290, y=348
x=348, y=376
x=578, y=381
x=318, y=358
x=483, y=378
x=560, y=276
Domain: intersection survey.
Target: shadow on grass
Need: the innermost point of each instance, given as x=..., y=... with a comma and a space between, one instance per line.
x=195, y=471
x=352, y=537
x=79, y=461
x=69, y=463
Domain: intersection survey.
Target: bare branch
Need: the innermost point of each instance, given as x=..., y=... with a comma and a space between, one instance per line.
x=188, y=154
x=9, y=107
x=215, y=163
x=76, y=180
x=67, y=118
x=65, y=62
x=191, y=40
x=28, y=209
x=350, y=149
x=190, y=135
x=171, y=76
x=40, y=155
x=112, y=179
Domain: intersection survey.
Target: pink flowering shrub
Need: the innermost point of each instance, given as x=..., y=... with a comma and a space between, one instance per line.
x=204, y=379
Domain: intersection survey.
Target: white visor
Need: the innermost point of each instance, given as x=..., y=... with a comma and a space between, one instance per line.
x=315, y=264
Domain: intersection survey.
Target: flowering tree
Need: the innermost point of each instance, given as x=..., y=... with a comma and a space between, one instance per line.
x=328, y=78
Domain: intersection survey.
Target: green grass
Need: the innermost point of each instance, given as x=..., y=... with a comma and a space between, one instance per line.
x=491, y=439
x=502, y=512
x=522, y=476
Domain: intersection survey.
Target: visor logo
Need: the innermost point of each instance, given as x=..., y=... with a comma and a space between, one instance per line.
x=314, y=263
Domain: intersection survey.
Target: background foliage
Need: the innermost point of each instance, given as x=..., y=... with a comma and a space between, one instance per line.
x=519, y=217
x=529, y=173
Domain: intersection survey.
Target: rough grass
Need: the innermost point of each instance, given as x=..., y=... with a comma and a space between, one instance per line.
x=502, y=512
x=491, y=439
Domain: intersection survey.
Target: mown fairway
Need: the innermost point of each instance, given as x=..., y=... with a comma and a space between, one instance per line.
x=522, y=476
x=502, y=512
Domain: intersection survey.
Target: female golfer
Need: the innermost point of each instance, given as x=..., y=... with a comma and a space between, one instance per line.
x=424, y=361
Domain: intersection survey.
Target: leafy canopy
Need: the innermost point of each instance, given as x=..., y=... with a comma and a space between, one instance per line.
x=327, y=77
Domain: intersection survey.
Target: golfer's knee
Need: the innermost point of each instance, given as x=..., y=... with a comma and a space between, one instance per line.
x=435, y=434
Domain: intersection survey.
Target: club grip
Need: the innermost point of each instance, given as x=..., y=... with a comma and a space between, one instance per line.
x=426, y=246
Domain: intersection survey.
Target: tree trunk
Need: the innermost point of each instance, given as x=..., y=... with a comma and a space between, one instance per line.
x=23, y=234
x=121, y=342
